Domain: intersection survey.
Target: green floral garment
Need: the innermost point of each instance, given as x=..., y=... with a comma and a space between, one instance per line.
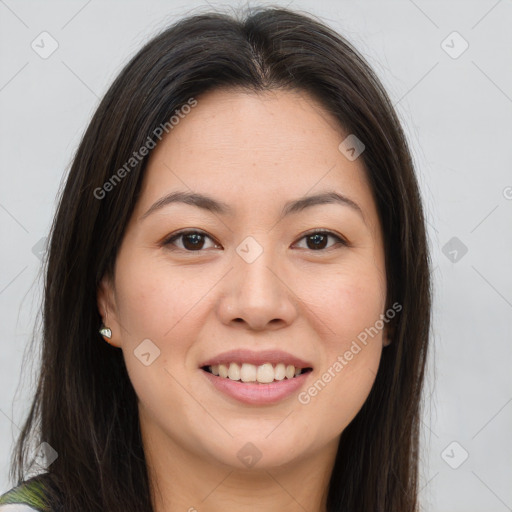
x=30, y=493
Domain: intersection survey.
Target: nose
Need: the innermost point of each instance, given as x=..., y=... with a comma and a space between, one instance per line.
x=257, y=295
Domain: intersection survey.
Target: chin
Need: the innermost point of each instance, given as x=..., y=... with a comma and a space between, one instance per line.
x=258, y=452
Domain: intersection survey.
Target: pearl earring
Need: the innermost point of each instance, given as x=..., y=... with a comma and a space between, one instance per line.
x=106, y=333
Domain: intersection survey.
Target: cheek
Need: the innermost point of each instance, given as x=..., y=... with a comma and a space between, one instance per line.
x=158, y=303
x=346, y=303
x=154, y=300
x=347, y=308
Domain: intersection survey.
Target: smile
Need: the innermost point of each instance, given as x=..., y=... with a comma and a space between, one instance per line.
x=256, y=377
x=262, y=374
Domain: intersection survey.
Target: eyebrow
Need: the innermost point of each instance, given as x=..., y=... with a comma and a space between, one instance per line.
x=213, y=205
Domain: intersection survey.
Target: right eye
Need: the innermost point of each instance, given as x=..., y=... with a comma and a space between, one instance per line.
x=191, y=240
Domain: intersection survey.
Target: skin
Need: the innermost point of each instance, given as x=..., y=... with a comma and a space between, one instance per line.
x=254, y=152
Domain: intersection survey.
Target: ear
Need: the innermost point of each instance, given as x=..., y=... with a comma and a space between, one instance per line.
x=108, y=310
x=388, y=334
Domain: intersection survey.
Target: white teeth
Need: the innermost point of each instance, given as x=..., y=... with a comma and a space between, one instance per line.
x=264, y=374
x=223, y=370
x=290, y=371
x=248, y=373
x=280, y=371
x=234, y=371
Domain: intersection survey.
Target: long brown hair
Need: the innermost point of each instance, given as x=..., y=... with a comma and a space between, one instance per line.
x=85, y=407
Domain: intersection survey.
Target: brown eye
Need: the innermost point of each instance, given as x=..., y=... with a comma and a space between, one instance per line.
x=318, y=240
x=190, y=240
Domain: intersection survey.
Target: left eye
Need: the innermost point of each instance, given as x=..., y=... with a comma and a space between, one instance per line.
x=317, y=240
x=195, y=240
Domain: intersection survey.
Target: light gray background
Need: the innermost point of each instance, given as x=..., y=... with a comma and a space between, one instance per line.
x=457, y=113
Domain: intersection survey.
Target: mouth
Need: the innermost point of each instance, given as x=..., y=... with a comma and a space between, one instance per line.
x=262, y=374
x=256, y=378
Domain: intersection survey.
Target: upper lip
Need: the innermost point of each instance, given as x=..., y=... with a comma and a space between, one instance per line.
x=257, y=358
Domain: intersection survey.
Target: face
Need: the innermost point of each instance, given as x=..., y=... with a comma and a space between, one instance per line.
x=296, y=284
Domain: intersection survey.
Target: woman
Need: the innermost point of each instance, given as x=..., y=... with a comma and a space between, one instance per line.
x=242, y=225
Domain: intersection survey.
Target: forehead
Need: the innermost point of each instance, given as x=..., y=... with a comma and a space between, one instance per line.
x=261, y=148
x=236, y=123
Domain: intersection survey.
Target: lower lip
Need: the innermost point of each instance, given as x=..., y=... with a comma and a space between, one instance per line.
x=255, y=393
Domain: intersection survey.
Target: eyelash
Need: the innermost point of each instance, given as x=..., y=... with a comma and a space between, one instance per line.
x=169, y=241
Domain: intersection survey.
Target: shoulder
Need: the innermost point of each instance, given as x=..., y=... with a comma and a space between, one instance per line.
x=29, y=496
